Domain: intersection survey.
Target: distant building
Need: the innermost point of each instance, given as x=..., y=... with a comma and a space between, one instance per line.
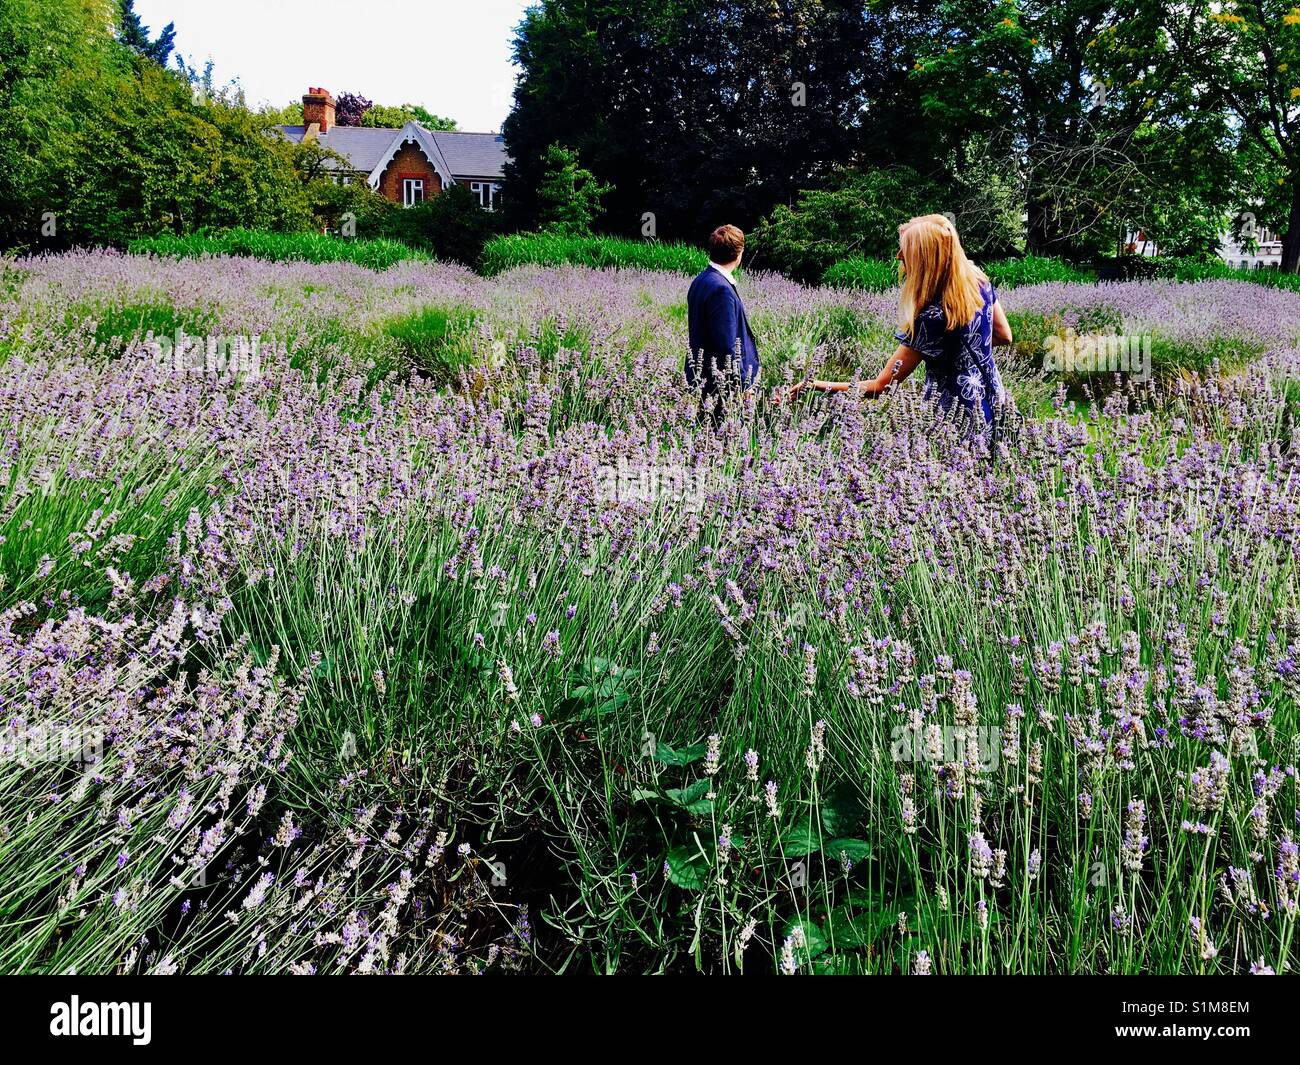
x=1265, y=250
x=407, y=165
x=1136, y=242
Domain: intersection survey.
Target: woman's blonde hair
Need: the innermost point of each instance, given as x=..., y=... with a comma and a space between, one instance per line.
x=935, y=269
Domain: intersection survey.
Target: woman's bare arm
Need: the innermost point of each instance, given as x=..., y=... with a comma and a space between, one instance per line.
x=898, y=368
x=1001, y=327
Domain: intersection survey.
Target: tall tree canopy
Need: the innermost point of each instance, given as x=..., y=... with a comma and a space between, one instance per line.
x=99, y=143
x=707, y=111
x=1100, y=116
x=1241, y=59
x=1089, y=108
x=135, y=35
x=353, y=109
x=385, y=117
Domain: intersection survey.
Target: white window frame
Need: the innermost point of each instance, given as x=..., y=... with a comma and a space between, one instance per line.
x=412, y=191
x=487, y=192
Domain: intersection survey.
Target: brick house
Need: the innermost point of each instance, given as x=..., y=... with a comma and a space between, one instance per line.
x=407, y=165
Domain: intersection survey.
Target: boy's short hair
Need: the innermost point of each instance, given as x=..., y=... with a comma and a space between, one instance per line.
x=725, y=244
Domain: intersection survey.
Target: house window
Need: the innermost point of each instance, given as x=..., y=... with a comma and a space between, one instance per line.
x=412, y=191
x=488, y=194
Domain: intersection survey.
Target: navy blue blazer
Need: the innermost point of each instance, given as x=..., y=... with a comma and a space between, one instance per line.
x=716, y=320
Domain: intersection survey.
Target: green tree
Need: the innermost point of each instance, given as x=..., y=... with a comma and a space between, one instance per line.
x=859, y=214
x=1242, y=57
x=1104, y=128
x=700, y=112
x=396, y=117
x=51, y=53
x=157, y=158
x=135, y=35
x=984, y=194
x=570, y=195
x=380, y=116
x=451, y=225
x=288, y=115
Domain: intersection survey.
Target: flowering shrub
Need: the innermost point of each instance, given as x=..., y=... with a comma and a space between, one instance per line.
x=339, y=667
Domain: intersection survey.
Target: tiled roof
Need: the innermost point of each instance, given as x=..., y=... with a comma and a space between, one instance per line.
x=362, y=146
x=467, y=154
x=473, y=154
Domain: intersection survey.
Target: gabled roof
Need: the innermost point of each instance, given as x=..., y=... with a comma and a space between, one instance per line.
x=413, y=133
x=453, y=154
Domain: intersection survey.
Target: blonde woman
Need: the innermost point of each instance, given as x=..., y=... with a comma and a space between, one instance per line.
x=949, y=318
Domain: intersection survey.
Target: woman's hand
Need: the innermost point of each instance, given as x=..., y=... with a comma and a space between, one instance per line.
x=789, y=393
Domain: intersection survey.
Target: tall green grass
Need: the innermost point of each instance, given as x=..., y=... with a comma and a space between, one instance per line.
x=877, y=275
x=550, y=249
x=437, y=341
x=873, y=275
x=1035, y=270
x=376, y=254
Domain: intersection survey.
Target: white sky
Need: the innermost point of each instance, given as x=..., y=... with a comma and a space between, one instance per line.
x=451, y=56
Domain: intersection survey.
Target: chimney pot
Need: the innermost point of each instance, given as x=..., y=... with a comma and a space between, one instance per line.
x=318, y=108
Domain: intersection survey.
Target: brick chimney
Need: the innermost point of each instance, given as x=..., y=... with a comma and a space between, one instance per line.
x=318, y=109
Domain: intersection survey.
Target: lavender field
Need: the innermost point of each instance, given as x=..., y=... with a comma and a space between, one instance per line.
x=412, y=622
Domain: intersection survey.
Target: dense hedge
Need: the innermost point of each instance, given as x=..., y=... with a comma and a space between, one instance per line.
x=1136, y=268
x=548, y=249
x=874, y=275
x=877, y=275
x=377, y=254
x=544, y=249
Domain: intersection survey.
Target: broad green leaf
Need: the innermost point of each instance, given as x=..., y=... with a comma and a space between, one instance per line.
x=692, y=797
x=604, y=665
x=679, y=755
x=688, y=868
x=610, y=705
x=608, y=688
x=838, y=965
x=851, y=927
x=799, y=841
x=843, y=809
x=856, y=849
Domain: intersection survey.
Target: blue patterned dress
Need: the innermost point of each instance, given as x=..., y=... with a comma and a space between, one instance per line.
x=959, y=362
